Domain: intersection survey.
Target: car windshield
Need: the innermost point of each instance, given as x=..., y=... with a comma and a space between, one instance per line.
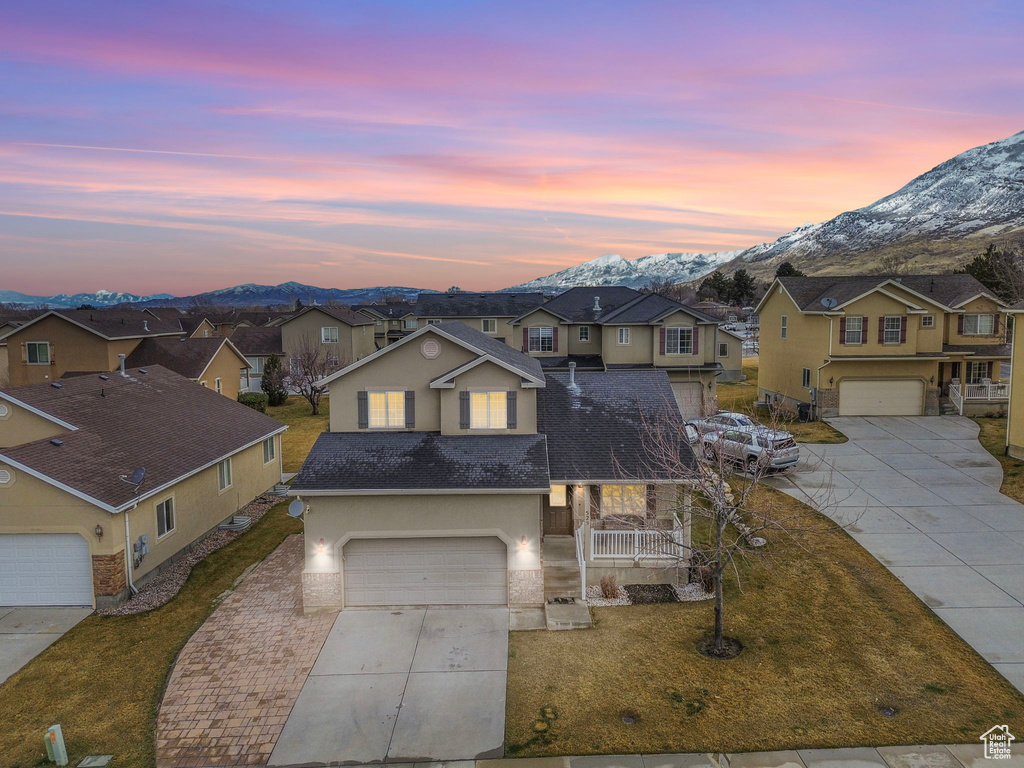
x=744, y=421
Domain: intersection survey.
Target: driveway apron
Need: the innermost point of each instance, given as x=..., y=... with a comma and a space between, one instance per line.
x=921, y=494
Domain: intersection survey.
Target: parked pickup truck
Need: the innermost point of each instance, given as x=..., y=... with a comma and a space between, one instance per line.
x=759, y=448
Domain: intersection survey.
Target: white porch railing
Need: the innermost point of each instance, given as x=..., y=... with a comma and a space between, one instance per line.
x=985, y=391
x=581, y=558
x=633, y=544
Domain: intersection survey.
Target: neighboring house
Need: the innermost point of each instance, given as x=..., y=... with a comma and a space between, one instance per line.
x=69, y=511
x=451, y=458
x=489, y=313
x=214, y=362
x=882, y=346
x=346, y=335
x=618, y=328
x=391, y=321
x=1015, y=408
x=60, y=342
x=258, y=344
x=198, y=327
x=8, y=322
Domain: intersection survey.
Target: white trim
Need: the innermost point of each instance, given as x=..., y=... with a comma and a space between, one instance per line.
x=174, y=517
x=421, y=491
x=49, y=353
x=445, y=380
x=996, y=299
x=37, y=412
x=217, y=352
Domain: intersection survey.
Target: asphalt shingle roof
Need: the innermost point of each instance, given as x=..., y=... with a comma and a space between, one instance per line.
x=393, y=311
x=577, y=304
x=157, y=420
x=476, y=304
x=411, y=461
x=343, y=314
x=265, y=340
x=599, y=430
x=114, y=324
x=186, y=356
x=529, y=366
x=981, y=350
x=948, y=290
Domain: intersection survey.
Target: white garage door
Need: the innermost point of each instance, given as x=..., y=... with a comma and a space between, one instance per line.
x=900, y=397
x=689, y=397
x=427, y=571
x=45, y=569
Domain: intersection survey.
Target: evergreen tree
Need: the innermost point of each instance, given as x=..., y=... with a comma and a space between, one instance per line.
x=786, y=269
x=743, y=288
x=716, y=287
x=272, y=382
x=999, y=270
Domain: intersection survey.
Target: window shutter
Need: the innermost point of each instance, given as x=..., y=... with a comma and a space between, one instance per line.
x=526, y=339
x=554, y=339
x=24, y=353
x=995, y=325
x=960, y=324
x=903, y=330
x=595, y=502
x=652, y=501
x=510, y=401
x=842, y=330
x=696, y=339
x=364, y=410
x=410, y=409
x=881, y=330
x=464, y=410
x=989, y=375
x=863, y=330
x=662, y=337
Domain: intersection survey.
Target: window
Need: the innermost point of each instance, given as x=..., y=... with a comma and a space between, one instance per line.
x=295, y=366
x=164, y=517
x=623, y=335
x=269, y=450
x=488, y=410
x=224, y=474
x=387, y=410
x=328, y=335
x=584, y=333
x=623, y=500
x=978, y=325
x=37, y=352
x=206, y=333
x=723, y=349
x=785, y=321
x=976, y=371
x=927, y=321
x=489, y=325
x=854, y=330
x=541, y=340
x=380, y=322
x=256, y=363
x=410, y=324
x=216, y=385
x=805, y=380
x=433, y=322
x=893, y=330
x=678, y=341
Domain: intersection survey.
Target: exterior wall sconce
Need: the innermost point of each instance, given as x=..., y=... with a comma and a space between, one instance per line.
x=320, y=547
x=932, y=379
x=98, y=531
x=831, y=380
x=522, y=542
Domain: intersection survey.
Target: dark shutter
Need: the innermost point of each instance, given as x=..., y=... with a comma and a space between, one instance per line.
x=24, y=353
x=463, y=410
x=995, y=325
x=526, y=339
x=662, y=337
x=989, y=375
x=842, y=330
x=960, y=324
x=903, y=330
x=364, y=410
x=554, y=339
x=510, y=402
x=595, y=502
x=410, y=409
x=696, y=339
x=863, y=330
x=881, y=330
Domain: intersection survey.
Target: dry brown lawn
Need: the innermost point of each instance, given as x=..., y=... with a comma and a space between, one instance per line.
x=993, y=437
x=303, y=429
x=829, y=635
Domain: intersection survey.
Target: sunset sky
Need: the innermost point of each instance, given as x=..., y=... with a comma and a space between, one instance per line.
x=183, y=147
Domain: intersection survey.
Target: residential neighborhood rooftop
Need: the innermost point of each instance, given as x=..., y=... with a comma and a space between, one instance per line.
x=476, y=304
x=188, y=357
x=947, y=290
x=258, y=341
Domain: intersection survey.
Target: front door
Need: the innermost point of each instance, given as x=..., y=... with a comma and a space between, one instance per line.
x=558, y=520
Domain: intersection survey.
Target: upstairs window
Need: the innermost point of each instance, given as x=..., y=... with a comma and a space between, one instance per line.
x=979, y=325
x=410, y=324
x=623, y=335
x=927, y=321
x=893, y=329
x=489, y=325
x=785, y=323
x=584, y=333
x=679, y=341
x=217, y=386
x=37, y=352
x=541, y=340
x=488, y=410
x=328, y=335
x=387, y=410
x=854, y=330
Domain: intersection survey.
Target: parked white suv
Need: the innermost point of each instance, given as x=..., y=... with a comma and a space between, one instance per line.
x=724, y=420
x=759, y=448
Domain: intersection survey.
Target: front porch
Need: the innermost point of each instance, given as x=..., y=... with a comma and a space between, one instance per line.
x=972, y=385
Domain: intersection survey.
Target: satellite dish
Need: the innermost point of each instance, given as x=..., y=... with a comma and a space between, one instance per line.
x=829, y=303
x=296, y=508
x=138, y=475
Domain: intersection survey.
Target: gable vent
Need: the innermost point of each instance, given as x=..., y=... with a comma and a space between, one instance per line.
x=5, y=477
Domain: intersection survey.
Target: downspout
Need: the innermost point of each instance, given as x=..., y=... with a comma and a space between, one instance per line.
x=128, y=552
x=818, y=384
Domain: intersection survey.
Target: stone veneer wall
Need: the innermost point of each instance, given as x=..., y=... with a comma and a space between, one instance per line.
x=108, y=576
x=931, y=401
x=526, y=587
x=321, y=591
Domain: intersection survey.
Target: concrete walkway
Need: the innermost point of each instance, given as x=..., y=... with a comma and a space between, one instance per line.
x=922, y=495
x=27, y=632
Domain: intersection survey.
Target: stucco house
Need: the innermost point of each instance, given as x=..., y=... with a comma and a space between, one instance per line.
x=619, y=328
x=258, y=344
x=489, y=313
x=883, y=346
x=1015, y=406
x=212, y=362
x=391, y=320
x=453, y=458
x=79, y=521
x=346, y=336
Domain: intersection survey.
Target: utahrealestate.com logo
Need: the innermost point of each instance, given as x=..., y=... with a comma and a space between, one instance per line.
x=997, y=742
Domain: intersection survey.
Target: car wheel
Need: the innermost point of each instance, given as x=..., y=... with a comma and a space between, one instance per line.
x=709, y=452
x=752, y=464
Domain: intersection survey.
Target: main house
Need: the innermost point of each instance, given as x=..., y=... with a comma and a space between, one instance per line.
x=104, y=480
x=882, y=346
x=452, y=458
x=618, y=328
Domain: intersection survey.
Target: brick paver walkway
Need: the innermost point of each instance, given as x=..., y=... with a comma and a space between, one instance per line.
x=238, y=676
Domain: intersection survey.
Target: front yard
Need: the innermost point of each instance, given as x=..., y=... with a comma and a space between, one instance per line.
x=993, y=437
x=830, y=637
x=103, y=680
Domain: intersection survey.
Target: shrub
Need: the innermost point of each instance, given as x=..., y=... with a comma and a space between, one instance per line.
x=272, y=382
x=609, y=587
x=255, y=400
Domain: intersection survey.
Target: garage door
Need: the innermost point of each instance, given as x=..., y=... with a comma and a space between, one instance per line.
x=45, y=569
x=900, y=397
x=689, y=397
x=427, y=571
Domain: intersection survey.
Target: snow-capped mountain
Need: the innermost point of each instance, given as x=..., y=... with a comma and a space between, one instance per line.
x=251, y=294
x=102, y=298
x=612, y=269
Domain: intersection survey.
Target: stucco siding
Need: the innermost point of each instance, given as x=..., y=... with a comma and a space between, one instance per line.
x=488, y=377
x=22, y=426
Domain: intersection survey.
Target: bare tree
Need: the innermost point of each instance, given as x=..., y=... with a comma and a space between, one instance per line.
x=891, y=265
x=680, y=292
x=311, y=362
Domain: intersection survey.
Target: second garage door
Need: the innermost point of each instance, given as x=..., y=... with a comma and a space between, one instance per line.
x=426, y=571
x=896, y=397
x=45, y=569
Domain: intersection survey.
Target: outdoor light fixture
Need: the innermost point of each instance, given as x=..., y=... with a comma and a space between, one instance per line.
x=320, y=547
x=99, y=531
x=831, y=380
x=932, y=379
x=522, y=542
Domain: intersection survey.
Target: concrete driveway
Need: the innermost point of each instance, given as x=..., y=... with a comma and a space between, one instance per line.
x=922, y=495
x=403, y=686
x=27, y=632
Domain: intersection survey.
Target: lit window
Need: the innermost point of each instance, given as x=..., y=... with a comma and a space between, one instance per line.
x=387, y=410
x=979, y=325
x=854, y=329
x=622, y=500
x=37, y=352
x=557, y=497
x=224, y=474
x=489, y=325
x=164, y=517
x=623, y=335
x=269, y=450
x=488, y=410
x=329, y=335
x=584, y=333
x=678, y=341
x=927, y=321
x=893, y=330
x=541, y=340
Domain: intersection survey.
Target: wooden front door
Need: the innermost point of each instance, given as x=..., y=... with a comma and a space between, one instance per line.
x=558, y=520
